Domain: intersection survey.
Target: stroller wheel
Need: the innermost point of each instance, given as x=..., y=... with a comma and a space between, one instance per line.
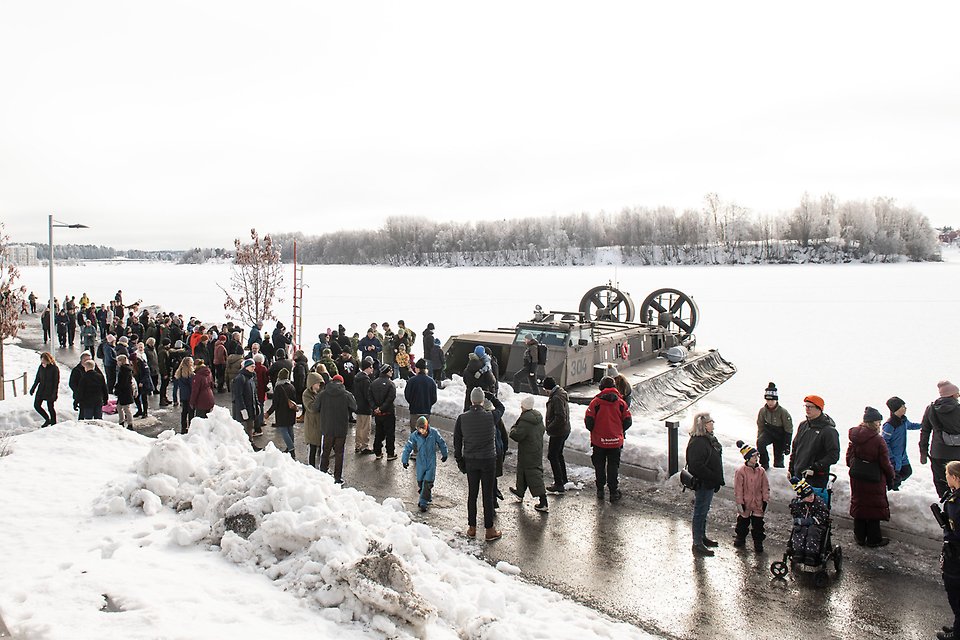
x=837, y=559
x=819, y=579
x=778, y=569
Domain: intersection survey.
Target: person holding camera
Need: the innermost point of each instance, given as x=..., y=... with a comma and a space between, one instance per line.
x=705, y=464
x=949, y=519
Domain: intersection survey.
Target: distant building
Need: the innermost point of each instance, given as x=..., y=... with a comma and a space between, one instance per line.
x=949, y=237
x=22, y=255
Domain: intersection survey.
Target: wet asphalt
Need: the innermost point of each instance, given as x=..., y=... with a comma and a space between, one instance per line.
x=632, y=560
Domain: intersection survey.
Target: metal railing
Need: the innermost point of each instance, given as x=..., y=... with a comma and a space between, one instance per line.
x=13, y=385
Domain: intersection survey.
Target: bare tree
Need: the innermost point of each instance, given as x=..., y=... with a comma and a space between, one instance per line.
x=11, y=297
x=256, y=275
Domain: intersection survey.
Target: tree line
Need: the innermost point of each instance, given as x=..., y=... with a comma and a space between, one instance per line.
x=819, y=228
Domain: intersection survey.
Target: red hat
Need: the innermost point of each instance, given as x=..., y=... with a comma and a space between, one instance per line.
x=817, y=400
x=338, y=378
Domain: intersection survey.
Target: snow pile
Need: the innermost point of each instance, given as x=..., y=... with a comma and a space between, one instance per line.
x=357, y=561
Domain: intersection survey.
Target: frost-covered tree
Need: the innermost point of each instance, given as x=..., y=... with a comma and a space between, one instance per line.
x=11, y=297
x=256, y=276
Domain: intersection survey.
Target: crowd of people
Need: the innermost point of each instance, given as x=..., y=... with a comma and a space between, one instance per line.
x=351, y=381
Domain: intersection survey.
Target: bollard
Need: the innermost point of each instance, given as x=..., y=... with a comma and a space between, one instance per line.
x=673, y=445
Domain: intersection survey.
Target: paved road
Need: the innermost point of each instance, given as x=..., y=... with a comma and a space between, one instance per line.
x=632, y=560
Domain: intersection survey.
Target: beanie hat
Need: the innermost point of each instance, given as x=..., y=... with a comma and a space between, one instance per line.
x=283, y=375
x=947, y=389
x=436, y=341
x=421, y=364
x=770, y=393
x=313, y=378
x=527, y=403
x=111, y=337
x=487, y=405
x=249, y=363
x=338, y=378
x=871, y=415
x=165, y=342
x=479, y=351
x=178, y=344
x=430, y=326
x=606, y=382
x=746, y=450
x=476, y=396
x=422, y=421
x=612, y=371
x=367, y=362
x=548, y=383
x=894, y=404
x=385, y=369
x=123, y=340
x=817, y=400
x=327, y=353
x=223, y=337
x=801, y=486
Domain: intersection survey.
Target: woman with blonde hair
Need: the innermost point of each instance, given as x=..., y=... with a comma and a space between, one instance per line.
x=705, y=464
x=46, y=384
x=183, y=383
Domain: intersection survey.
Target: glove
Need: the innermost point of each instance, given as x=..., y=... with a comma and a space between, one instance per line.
x=462, y=465
x=808, y=473
x=406, y=465
x=476, y=375
x=443, y=459
x=488, y=395
x=786, y=449
x=923, y=457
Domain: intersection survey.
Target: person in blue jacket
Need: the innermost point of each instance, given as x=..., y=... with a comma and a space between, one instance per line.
x=425, y=440
x=895, y=435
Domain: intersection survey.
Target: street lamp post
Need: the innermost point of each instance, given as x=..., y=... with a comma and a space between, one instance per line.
x=50, y=307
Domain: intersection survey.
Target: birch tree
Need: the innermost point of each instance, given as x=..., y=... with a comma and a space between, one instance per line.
x=256, y=276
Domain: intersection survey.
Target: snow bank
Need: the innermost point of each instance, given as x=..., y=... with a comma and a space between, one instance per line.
x=357, y=562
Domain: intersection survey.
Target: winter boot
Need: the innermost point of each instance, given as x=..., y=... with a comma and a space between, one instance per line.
x=702, y=551
x=555, y=488
x=615, y=495
x=707, y=542
x=600, y=493
x=739, y=542
x=492, y=534
x=471, y=532
x=758, y=546
x=542, y=505
x=516, y=493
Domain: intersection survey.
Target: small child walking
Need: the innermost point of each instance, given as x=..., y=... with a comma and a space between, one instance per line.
x=752, y=492
x=425, y=439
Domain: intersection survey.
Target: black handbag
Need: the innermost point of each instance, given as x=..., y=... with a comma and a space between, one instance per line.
x=688, y=480
x=866, y=470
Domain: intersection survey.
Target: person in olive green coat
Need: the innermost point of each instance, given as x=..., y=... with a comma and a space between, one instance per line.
x=528, y=433
x=311, y=416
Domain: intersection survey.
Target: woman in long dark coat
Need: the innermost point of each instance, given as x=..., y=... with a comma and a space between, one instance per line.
x=46, y=385
x=868, y=498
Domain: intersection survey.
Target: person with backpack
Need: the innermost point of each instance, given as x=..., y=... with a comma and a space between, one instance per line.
x=940, y=433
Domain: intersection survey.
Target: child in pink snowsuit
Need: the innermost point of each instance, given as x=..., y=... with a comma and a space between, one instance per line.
x=752, y=492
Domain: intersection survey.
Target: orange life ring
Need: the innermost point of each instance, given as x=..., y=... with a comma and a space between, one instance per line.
x=625, y=350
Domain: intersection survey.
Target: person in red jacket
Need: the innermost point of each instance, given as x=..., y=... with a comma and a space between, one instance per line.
x=607, y=419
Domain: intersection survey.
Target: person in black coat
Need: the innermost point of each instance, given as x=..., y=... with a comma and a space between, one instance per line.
x=383, y=393
x=91, y=393
x=705, y=463
x=45, y=387
x=950, y=555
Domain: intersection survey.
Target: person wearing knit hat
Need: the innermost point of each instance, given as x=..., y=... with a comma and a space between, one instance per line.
x=425, y=440
x=243, y=394
x=940, y=433
x=870, y=475
x=475, y=449
x=774, y=427
x=801, y=487
x=528, y=432
x=557, y=422
x=816, y=445
x=607, y=419
x=285, y=405
x=383, y=395
x=894, y=433
x=751, y=490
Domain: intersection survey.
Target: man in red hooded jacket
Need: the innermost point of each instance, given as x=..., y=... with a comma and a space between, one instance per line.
x=607, y=419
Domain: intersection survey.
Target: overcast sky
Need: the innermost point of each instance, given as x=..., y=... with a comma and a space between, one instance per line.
x=176, y=124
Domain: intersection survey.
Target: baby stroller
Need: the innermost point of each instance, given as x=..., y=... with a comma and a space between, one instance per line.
x=810, y=548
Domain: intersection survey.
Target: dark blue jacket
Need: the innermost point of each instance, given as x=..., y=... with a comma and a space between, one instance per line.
x=421, y=393
x=895, y=435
